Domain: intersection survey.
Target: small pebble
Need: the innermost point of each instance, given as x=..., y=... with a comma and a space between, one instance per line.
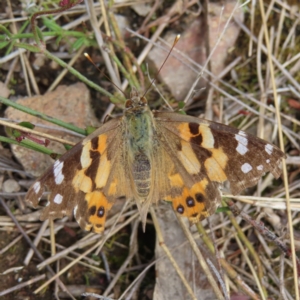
x=11, y=186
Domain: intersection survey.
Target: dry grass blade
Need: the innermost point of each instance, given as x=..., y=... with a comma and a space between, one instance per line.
x=94, y=23
x=253, y=271
x=22, y=285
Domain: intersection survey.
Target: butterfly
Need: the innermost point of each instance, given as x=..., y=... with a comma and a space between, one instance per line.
x=147, y=156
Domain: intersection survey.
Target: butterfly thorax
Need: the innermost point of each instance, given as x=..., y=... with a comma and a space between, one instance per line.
x=139, y=126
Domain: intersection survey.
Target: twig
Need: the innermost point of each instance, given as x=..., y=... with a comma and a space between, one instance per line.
x=22, y=285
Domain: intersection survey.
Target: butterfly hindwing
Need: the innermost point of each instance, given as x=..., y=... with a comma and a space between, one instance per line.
x=191, y=191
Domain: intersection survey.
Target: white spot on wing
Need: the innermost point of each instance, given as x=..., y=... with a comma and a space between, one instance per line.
x=36, y=187
x=246, y=168
x=58, y=199
x=267, y=161
x=75, y=209
x=241, y=149
x=269, y=149
x=260, y=167
x=242, y=144
x=57, y=170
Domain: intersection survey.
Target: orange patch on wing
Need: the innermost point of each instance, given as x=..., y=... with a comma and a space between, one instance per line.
x=82, y=182
x=197, y=196
x=176, y=180
x=102, y=143
x=216, y=164
x=184, y=131
x=98, y=206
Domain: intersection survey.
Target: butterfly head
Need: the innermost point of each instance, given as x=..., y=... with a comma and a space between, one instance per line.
x=136, y=103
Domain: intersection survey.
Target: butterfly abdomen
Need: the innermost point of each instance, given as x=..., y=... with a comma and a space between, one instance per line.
x=141, y=172
x=139, y=133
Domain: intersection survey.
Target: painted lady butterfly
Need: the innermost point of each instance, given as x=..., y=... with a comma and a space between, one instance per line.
x=150, y=156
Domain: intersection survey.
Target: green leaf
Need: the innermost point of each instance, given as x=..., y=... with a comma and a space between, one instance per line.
x=181, y=104
x=4, y=29
x=4, y=44
x=27, y=125
x=40, y=34
x=68, y=147
x=90, y=129
x=78, y=43
x=222, y=209
x=52, y=25
x=28, y=47
x=10, y=132
x=9, y=48
x=182, y=112
x=58, y=39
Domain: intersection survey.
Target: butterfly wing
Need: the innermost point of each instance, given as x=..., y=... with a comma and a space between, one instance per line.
x=86, y=180
x=206, y=154
x=192, y=195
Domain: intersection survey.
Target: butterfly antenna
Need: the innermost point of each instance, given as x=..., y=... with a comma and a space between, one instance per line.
x=92, y=62
x=155, y=77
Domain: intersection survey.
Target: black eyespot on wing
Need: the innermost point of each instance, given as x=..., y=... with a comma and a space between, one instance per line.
x=92, y=210
x=101, y=212
x=200, y=198
x=190, y=202
x=180, y=209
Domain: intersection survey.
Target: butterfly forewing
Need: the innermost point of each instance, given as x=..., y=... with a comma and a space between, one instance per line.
x=224, y=153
